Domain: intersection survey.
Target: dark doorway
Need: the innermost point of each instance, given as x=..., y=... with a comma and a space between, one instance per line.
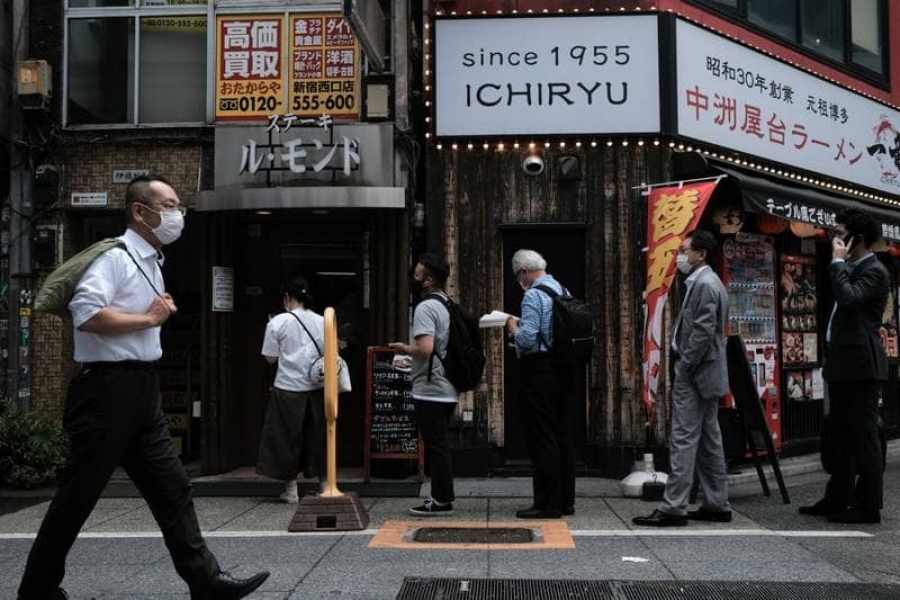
x=329, y=252
x=563, y=248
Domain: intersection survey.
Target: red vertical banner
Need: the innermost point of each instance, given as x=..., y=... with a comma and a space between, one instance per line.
x=672, y=213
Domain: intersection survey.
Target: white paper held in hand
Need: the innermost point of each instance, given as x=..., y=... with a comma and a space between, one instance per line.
x=495, y=318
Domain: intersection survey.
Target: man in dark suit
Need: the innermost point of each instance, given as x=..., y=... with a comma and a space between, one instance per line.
x=855, y=367
x=701, y=379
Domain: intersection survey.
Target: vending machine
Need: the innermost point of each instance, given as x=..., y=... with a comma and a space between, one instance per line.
x=749, y=275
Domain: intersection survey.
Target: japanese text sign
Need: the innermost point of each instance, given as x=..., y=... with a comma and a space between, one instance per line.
x=249, y=66
x=323, y=68
x=568, y=75
x=735, y=97
x=306, y=65
x=672, y=213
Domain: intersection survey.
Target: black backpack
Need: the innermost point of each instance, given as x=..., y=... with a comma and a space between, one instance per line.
x=465, y=360
x=573, y=328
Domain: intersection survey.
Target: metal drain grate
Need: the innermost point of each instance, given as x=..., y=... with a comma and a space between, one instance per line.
x=553, y=589
x=474, y=535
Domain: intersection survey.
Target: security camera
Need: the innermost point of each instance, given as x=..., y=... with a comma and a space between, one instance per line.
x=533, y=165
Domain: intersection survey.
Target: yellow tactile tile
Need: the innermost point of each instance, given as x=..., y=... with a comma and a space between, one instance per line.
x=393, y=534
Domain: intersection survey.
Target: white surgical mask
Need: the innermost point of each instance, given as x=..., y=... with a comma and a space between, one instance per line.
x=683, y=264
x=170, y=226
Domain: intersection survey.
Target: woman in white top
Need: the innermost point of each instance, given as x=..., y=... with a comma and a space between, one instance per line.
x=293, y=437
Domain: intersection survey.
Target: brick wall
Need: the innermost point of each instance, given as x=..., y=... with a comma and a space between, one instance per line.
x=88, y=168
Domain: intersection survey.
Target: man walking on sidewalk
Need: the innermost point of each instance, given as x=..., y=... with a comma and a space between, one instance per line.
x=112, y=411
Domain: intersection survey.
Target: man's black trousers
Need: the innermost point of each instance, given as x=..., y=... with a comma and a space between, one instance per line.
x=113, y=417
x=854, y=427
x=549, y=441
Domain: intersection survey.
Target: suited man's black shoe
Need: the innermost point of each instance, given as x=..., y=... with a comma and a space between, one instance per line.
x=225, y=587
x=856, y=515
x=538, y=513
x=819, y=509
x=661, y=519
x=568, y=510
x=702, y=514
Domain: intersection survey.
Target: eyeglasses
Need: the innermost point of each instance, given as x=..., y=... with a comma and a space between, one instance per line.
x=168, y=207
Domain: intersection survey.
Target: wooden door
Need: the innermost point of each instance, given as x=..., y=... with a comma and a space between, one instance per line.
x=563, y=248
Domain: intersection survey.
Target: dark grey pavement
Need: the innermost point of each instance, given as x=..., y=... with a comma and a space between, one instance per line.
x=121, y=555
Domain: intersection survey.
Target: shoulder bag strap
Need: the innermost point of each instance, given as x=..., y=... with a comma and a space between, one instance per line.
x=445, y=302
x=311, y=338
x=153, y=287
x=553, y=295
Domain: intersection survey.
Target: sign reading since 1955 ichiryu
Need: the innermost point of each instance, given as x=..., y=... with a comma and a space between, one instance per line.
x=567, y=75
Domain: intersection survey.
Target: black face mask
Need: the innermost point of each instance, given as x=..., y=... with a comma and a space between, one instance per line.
x=417, y=286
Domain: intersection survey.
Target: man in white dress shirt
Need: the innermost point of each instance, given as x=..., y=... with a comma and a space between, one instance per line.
x=112, y=411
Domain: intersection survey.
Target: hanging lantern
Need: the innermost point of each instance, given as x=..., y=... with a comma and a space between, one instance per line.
x=803, y=230
x=822, y=235
x=770, y=225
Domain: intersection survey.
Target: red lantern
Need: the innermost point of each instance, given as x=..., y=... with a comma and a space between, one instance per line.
x=769, y=224
x=822, y=234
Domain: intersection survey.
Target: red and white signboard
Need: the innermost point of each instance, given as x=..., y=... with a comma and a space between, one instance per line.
x=735, y=97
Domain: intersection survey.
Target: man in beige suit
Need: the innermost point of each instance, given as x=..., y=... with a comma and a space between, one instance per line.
x=701, y=379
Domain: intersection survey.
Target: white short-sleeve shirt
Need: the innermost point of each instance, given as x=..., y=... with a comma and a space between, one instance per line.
x=286, y=340
x=115, y=281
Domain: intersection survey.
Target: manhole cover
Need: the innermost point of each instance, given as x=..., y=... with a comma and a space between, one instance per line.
x=473, y=535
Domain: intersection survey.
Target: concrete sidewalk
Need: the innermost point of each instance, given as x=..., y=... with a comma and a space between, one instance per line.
x=120, y=553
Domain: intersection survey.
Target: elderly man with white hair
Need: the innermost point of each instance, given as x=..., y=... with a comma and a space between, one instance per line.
x=546, y=391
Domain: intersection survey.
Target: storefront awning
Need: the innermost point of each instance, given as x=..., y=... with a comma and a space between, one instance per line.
x=314, y=197
x=798, y=203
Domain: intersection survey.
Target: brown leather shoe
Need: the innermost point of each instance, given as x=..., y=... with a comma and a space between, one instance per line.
x=661, y=519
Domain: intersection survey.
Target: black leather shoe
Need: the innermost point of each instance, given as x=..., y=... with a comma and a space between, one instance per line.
x=225, y=587
x=57, y=594
x=702, y=514
x=661, y=519
x=819, y=509
x=538, y=513
x=856, y=515
x=568, y=510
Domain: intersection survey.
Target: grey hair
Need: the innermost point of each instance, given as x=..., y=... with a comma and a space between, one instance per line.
x=528, y=260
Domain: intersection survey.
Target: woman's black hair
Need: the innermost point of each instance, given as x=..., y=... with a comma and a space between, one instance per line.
x=296, y=287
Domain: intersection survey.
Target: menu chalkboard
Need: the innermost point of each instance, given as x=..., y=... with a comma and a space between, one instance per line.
x=391, y=431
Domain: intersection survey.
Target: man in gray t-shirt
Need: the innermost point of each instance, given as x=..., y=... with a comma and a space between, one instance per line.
x=434, y=396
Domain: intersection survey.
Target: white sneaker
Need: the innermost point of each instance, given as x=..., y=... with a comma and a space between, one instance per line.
x=289, y=497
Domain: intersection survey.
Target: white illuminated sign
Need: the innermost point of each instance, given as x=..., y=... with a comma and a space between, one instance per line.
x=547, y=75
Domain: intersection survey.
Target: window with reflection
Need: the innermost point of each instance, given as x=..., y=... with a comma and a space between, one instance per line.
x=848, y=33
x=823, y=27
x=106, y=56
x=777, y=16
x=866, y=45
